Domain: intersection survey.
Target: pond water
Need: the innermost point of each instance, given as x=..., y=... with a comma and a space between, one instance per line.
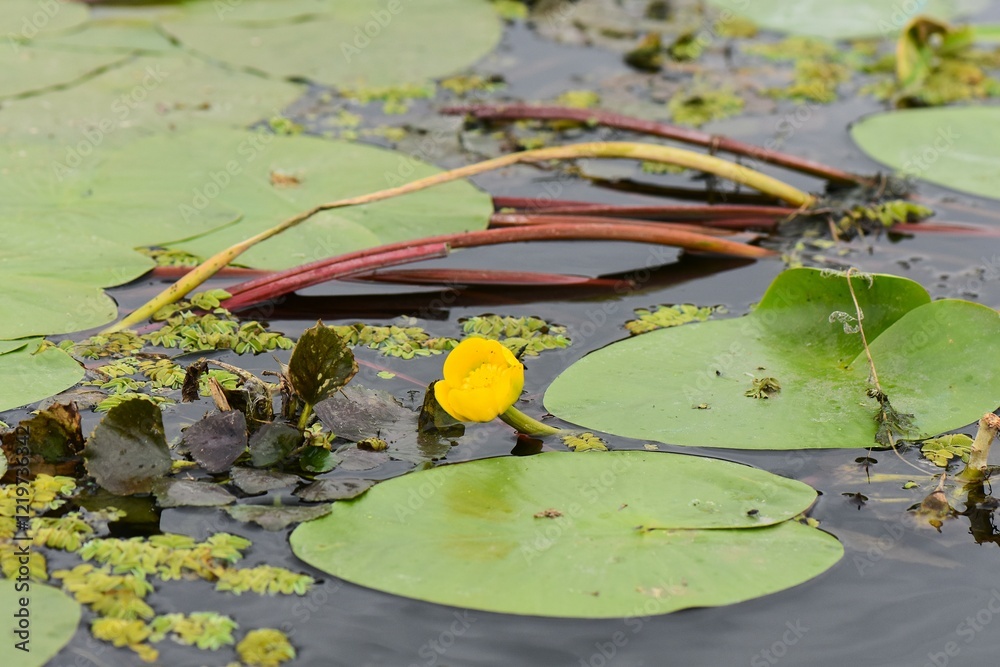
x=904, y=594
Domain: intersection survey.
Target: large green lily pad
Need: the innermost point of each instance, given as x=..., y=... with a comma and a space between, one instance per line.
x=22, y=20
x=577, y=535
x=51, y=292
x=233, y=183
x=149, y=93
x=844, y=19
x=53, y=618
x=343, y=42
x=29, y=375
x=687, y=385
x=28, y=69
x=952, y=146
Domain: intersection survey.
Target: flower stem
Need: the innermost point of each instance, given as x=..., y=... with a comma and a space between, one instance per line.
x=522, y=423
x=975, y=470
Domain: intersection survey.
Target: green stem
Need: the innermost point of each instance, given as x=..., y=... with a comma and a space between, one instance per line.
x=304, y=419
x=522, y=423
x=608, y=150
x=975, y=470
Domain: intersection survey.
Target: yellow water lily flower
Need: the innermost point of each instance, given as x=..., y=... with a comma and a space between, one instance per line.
x=482, y=380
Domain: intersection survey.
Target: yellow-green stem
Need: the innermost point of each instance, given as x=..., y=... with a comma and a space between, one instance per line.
x=975, y=470
x=304, y=418
x=522, y=423
x=612, y=149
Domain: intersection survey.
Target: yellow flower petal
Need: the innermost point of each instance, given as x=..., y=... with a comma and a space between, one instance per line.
x=482, y=379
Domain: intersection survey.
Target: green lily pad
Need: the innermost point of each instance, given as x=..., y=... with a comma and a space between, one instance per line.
x=343, y=42
x=30, y=70
x=53, y=620
x=112, y=36
x=575, y=535
x=42, y=296
x=176, y=186
x=845, y=19
x=29, y=377
x=950, y=146
x=22, y=20
x=148, y=93
x=694, y=384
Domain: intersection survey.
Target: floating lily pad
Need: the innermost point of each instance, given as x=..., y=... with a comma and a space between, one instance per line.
x=29, y=375
x=181, y=185
x=689, y=385
x=53, y=619
x=112, y=36
x=28, y=69
x=149, y=93
x=40, y=296
x=561, y=534
x=950, y=146
x=128, y=449
x=28, y=19
x=338, y=42
x=845, y=19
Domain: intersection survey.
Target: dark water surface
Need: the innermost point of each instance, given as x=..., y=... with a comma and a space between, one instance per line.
x=903, y=595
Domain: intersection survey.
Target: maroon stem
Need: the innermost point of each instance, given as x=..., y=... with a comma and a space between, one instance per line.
x=653, y=128
x=274, y=285
x=268, y=287
x=700, y=213
x=520, y=219
x=483, y=277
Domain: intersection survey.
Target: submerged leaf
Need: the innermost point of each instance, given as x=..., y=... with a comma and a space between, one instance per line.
x=277, y=517
x=272, y=443
x=128, y=450
x=217, y=441
x=190, y=493
x=325, y=490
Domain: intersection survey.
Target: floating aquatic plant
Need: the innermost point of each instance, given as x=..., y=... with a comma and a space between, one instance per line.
x=265, y=647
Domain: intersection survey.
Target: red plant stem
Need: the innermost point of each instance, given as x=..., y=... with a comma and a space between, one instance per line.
x=653, y=128
x=272, y=285
x=262, y=289
x=701, y=213
x=482, y=277
x=521, y=219
x=958, y=229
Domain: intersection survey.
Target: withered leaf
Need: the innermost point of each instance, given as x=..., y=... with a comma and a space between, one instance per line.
x=324, y=490
x=128, y=449
x=217, y=441
x=321, y=364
